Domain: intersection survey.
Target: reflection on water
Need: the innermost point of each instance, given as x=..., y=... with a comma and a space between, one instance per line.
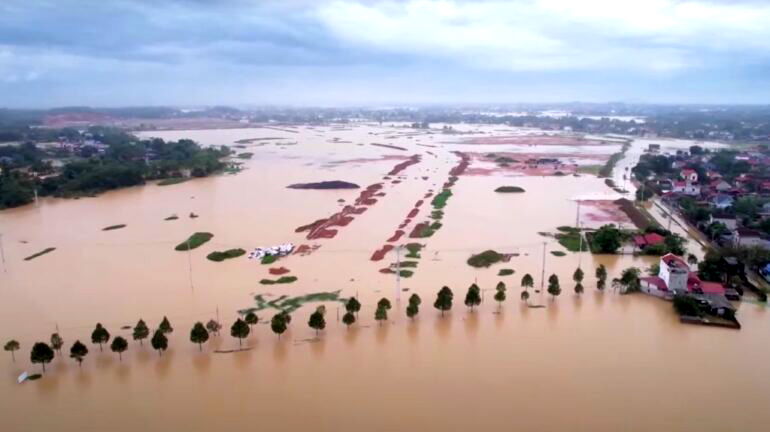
x=600, y=362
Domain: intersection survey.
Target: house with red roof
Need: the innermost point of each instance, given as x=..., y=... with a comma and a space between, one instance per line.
x=675, y=277
x=650, y=239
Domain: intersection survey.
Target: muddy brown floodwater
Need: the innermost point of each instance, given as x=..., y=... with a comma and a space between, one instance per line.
x=600, y=362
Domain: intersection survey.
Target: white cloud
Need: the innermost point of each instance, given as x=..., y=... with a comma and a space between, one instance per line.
x=652, y=35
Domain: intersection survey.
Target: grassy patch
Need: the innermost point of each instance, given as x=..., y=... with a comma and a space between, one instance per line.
x=405, y=273
x=485, y=259
x=269, y=259
x=414, y=250
x=569, y=237
x=172, y=181
x=509, y=189
x=280, y=280
x=589, y=169
x=194, y=241
x=409, y=264
x=437, y=214
x=245, y=155
x=439, y=201
x=113, y=227
x=290, y=304
x=41, y=253
x=558, y=253
x=506, y=272
x=221, y=256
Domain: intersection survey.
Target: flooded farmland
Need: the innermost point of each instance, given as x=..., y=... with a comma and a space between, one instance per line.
x=600, y=361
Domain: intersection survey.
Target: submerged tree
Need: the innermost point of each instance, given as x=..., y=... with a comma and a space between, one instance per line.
x=352, y=305
x=601, y=277
x=199, y=335
x=444, y=300
x=381, y=314
x=278, y=324
x=384, y=303
x=240, y=330
x=317, y=321
x=57, y=342
x=578, y=275
x=251, y=318
x=100, y=335
x=78, y=351
x=525, y=296
x=165, y=326
x=500, y=294
x=119, y=345
x=11, y=346
x=473, y=296
x=141, y=331
x=629, y=280
x=527, y=281
x=415, y=299
x=412, y=310
x=159, y=341
x=578, y=288
x=348, y=319
x=41, y=353
x=213, y=327
x=553, y=286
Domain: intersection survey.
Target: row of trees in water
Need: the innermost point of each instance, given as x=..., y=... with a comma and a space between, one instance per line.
x=44, y=353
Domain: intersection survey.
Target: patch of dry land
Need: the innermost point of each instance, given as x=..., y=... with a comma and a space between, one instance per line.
x=600, y=362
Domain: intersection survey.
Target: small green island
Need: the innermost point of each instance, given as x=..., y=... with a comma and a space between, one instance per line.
x=485, y=259
x=194, y=241
x=114, y=227
x=218, y=256
x=509, y=189
x=39, y=254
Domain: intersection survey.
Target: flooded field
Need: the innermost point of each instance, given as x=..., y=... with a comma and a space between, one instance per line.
x=601, y=361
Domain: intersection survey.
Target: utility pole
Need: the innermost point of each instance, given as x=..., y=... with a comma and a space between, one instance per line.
x=2, y=254
x=577, y=214
x=189, y=264
x=580, y=248
x=542, y=274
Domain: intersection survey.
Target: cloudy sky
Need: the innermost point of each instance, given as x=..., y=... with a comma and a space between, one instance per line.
x=342, y=52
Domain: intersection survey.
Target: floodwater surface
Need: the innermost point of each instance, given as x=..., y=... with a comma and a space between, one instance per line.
x=600, y=361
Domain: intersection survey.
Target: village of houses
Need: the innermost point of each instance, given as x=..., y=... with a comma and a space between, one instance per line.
x=725, y=196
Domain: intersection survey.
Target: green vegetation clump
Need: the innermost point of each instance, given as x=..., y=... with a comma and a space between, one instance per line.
x=687, y=306
x=221, y=256
x=437, y=214
x=570, y=238
x=506, y=272
x=245, y=155
x=439, y=201
x=414, y=250
x=409, y=264
x=606, y=170
x=505, y=160
x=485, y=259
x=114, y=227
x=172, y=181
x=589, y=169
x=269, y=259
x=509, y=189
x=172, y=217
x=290, y=304
x=42, y=252
x=406, y=273
x=558, y=253
x=280, y=280
x=194, y=241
